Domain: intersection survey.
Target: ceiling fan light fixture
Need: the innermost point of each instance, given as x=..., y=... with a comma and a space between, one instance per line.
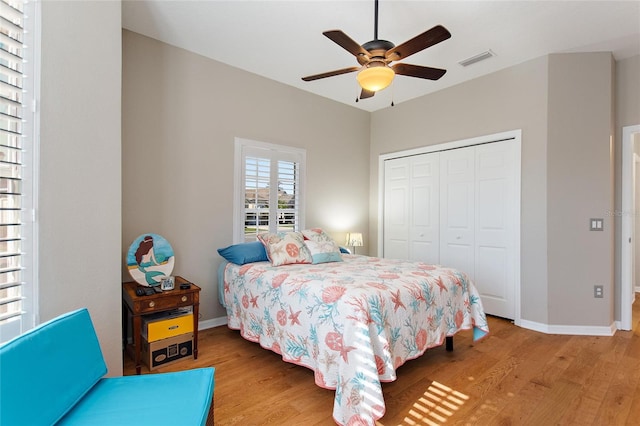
x=375, y=77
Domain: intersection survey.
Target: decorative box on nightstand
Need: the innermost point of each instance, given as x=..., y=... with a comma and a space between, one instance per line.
x=167, y=351
x=164, y=325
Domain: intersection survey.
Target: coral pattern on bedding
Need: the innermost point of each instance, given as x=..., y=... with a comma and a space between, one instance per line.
x=353, y=322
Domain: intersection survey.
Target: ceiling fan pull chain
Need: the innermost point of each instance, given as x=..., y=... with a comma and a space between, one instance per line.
x=392, y=93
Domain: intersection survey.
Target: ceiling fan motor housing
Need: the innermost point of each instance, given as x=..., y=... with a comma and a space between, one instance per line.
x=377, y=49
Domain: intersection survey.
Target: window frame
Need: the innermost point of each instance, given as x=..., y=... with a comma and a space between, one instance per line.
x=247, y=147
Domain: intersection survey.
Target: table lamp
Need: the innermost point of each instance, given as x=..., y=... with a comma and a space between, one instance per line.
x=354, y=239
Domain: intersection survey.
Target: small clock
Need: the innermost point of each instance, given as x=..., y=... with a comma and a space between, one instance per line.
x=167, y=283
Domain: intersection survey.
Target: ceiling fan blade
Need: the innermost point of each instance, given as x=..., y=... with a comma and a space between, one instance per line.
x=346, y=42
x=418, y=71
x=420, y=42
x=366, y=94
x=330, y=73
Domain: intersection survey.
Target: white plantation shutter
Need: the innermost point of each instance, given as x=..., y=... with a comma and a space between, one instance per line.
x=288, y=196
x=268, y=189
x=257, y=172
x=17, y=299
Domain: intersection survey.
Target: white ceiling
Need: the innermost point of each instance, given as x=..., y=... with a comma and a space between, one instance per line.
x=283, y=41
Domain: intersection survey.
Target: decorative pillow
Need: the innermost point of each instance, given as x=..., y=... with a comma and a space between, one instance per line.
x=284, y=248
x=244, y=253
x=322, y=247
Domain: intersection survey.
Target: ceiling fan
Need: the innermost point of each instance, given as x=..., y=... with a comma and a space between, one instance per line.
x=374, y=56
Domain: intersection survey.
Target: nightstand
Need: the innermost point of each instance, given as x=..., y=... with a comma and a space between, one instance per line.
x=136, y=307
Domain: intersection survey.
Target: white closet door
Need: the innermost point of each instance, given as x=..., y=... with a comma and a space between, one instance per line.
x=424, y=229
x=495, y=202
x=396, y=208
x=457, y=210
x=411, y=210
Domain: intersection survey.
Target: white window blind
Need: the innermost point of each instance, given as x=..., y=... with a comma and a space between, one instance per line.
x=269, y=189
x=16, y=196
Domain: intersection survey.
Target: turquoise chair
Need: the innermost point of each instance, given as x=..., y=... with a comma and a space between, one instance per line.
x=53, y=374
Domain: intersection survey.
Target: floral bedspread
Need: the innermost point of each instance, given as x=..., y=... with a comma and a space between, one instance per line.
x=353, y=322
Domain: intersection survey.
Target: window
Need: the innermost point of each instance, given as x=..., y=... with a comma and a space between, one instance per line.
x=17, y=164
x=269, y=188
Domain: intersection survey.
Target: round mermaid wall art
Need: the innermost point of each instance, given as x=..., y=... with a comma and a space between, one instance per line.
x=150, y=259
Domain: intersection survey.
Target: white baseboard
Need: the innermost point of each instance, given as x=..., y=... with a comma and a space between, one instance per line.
x=215, y=322
x=577, y=330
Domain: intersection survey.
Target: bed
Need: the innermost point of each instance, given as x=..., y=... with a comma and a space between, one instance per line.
x=352, y=321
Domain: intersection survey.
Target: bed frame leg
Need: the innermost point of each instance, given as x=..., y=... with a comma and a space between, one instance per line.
x=449, y=343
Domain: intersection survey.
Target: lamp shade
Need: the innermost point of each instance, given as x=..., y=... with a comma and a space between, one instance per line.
x=375, y=77
x=354, y=239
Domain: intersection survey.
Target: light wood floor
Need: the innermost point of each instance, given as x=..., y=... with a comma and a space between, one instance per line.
x=513, y=377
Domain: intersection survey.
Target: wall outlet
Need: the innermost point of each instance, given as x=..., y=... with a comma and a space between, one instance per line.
x=598, y=291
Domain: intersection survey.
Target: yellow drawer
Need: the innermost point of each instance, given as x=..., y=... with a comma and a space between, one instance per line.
x=162, y=328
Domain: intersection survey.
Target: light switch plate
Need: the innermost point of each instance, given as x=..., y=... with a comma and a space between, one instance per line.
x=596, y=224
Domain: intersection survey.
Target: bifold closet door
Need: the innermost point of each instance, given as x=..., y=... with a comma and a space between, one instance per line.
x=457, y=209
x=478, y=208
x=396, y=208
x=495, y=226
x=411, y=208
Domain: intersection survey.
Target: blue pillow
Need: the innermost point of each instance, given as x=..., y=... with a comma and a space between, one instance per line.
x=344, y=250
x=244, y=253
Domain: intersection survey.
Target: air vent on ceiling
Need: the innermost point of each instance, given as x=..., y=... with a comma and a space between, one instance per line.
x=477, y=58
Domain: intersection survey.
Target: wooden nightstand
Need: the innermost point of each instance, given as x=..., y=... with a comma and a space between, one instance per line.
x=138, y=306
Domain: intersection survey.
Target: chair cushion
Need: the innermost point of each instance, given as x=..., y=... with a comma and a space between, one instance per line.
x=181, y=398
x=46, y=370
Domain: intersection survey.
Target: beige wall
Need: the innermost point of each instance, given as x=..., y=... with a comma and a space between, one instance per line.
x=181, y=113
x=628, y=92
x=515, y=98
x=579, y=187
x=80, y=178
